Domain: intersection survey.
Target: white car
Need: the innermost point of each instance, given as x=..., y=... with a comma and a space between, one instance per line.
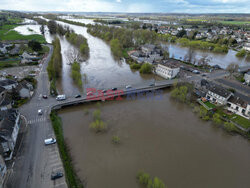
x=128, y=86
x=40, y=112
x=61, y=97
x=49, y=141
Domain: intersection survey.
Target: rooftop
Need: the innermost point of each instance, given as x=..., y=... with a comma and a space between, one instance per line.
x=219, y=90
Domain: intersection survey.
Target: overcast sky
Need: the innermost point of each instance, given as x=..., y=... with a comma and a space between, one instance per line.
x=165, y=6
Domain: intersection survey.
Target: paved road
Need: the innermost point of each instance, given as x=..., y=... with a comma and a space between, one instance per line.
x=35, y=161
x=239, y=87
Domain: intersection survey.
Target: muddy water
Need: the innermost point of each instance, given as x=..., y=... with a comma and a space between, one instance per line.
x=221, y=59
x=162, y=138
x=100, y=70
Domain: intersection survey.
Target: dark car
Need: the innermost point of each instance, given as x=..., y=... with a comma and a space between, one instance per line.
x=114, y=88
x=45, y=96
x=152, y=84
x=104, y=91
x=56, y=175
x=78, y=96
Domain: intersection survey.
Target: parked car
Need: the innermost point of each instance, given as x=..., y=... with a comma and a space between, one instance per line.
x=49, y=141
x=45, y=96
x=40, y=112
x=152, y=84
x=114, y=88
x=128, y=86
x=104, y=91
x=61, y=97
x=56, y=175
x=78, y=96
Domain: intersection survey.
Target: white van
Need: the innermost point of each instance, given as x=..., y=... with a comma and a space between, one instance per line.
x=61, y=97
x=49, y=141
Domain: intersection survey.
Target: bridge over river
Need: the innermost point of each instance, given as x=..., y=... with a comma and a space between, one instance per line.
x=119, y=92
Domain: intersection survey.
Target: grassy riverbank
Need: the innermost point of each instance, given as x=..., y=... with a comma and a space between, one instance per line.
x=71, y=177
x=76, y=74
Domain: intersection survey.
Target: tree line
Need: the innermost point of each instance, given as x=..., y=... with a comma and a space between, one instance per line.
x=54, y=68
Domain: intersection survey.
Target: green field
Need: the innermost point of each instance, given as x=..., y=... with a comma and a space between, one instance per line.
x=235, y=22
x=6, y=33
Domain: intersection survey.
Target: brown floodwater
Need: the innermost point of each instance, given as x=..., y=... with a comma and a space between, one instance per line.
x=159, y=136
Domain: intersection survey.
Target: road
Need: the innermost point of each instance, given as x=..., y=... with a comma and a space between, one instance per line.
x=34, y=161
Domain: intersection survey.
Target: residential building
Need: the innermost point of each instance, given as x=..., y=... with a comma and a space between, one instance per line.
x=218, y=94
x=5, y=100
x=238, y=106
x=8, y=84
x=25, y=89
x=3, y=171
x=247, y=77
x=247, y=46
x=9, y=128
x=147, y=49
x=167, y=70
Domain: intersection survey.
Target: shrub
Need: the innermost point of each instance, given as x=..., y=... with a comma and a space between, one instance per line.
x=145, y=180
x=116, y=139
x=135, y=66
x=230, y=127
x=98, y=126
x=76, y=74
x=241, y=53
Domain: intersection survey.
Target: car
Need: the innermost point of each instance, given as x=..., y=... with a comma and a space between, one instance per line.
x=104, y=91
x=78, y=96
x=56, y=175
x=89, y=93
x=40, y=112
x=60, y=97
x=45, y=96
x=203, y=75
x=114, y=88
x=128, y=86
x=152, y=84
x=49, y=141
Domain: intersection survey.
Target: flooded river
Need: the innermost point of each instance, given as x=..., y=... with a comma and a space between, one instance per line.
x=160, y=137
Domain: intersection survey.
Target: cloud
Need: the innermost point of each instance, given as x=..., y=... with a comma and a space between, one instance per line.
x=118, y=1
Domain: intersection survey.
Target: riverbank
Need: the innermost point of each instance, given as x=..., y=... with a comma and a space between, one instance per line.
x=72, y=179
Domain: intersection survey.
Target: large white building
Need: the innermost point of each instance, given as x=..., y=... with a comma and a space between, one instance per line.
x=217, y=94
x=168, y=70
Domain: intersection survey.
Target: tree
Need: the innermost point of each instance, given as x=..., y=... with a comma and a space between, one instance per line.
x=232, y=68
x=181, y=33
x=229, y=126
x=189, y=57
x=241, y=53
x=116, y=48
x=146, y=68
x=42, y=29
x=35, y=45
x=204, y=60
x=52, y=25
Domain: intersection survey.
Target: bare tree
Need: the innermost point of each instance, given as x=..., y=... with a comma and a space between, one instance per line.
x=189, y=57
x=232, y=68
x=204, y=60
x=73, y=55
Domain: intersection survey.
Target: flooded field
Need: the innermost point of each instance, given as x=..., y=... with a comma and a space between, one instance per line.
x=160, y=137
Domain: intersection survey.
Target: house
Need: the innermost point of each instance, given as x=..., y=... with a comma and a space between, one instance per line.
x=25, y=89
x=247, y=46
x=217, y=94
x=3, y=171
x=247, y=77
x=9, y=128
x=167, y=70
x=137, y=56
x=5, y=100
x=238, y=106
x=147, y=49
x=8, y=84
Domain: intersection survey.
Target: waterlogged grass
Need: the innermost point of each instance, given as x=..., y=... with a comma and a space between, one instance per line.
x=71, y=177
x=6, y=33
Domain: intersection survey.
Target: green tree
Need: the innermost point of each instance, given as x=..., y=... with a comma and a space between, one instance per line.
x=241, y=53
x=35, y=45
x=116, y=48
x=230, y=126
x=146, y=68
